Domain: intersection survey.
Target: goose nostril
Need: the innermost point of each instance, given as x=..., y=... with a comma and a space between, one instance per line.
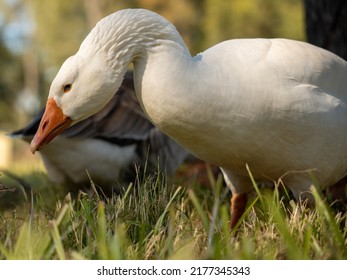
x=44, y=125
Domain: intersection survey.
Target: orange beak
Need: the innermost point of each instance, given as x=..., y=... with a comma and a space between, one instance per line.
x=52, y=123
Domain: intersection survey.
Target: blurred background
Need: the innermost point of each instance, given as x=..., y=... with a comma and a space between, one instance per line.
x=37, y=36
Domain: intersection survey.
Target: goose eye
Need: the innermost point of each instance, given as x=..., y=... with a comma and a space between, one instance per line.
x=67, y=88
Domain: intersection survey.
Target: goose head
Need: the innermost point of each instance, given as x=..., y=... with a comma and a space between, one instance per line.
x=87, y=81
x=82, y=87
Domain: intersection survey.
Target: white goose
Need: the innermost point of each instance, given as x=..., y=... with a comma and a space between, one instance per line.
x=112, y=145
x=277, y=105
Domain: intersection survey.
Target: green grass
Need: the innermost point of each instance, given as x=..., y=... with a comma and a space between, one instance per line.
x=156, y=219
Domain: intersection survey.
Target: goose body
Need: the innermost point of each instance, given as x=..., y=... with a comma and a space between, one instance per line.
x=111, y=145
x=277, y=105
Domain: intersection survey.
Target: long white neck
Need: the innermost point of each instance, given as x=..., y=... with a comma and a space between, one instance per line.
x=159, y=55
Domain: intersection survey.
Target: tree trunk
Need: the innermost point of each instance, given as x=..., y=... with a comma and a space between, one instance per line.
x=326, y=25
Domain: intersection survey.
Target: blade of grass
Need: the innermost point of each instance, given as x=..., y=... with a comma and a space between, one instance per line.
x=307, y=242
x=87, y=210
x=167, y=248
x=217, y=190
x=255, y=185
x=5, y=252
x=57, y=240
x=119, y=248
x=199, y=209
x=159, y=223
x=128, y=191
x=101, y=233
x=92, y=184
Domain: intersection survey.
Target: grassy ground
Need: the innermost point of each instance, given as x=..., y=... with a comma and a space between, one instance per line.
x=155, y=219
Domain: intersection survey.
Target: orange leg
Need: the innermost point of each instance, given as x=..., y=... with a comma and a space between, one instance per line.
x=238, y=207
